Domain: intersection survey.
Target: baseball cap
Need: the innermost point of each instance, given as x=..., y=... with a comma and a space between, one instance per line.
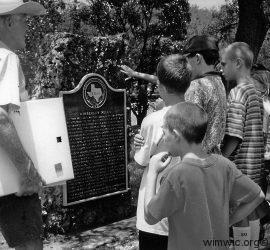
x=11, y=7
x=201, y=43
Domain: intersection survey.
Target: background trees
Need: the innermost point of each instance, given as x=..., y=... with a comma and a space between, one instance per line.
x=144, y=29
x=151, y=29
x=253, y=23
x=238, y=20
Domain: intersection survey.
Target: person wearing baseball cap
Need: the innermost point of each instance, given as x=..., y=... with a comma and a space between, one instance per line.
x=201, y=43
x=20, y=213
x=207, y=88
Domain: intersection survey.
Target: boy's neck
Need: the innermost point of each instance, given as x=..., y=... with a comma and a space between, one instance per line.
x=207, y=68
x=173, y=99
x=194, y=151
x=244, y=76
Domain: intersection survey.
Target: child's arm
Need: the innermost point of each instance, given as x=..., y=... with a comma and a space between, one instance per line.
x=245, y=193
x=243, y=210
x=132, y=73
x=230, y=143
x=235, y=122
x=151, y=134
x=157, y=164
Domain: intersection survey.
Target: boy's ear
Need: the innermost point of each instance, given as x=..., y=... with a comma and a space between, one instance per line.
x=198, y=58
x=178, y=134
x=239, y=62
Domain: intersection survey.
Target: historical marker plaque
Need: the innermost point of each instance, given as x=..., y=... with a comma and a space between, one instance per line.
x=96, y=124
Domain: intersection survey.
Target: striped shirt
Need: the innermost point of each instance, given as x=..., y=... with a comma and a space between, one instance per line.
x=244, y=120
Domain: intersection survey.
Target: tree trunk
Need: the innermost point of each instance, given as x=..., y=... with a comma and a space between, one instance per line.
x=253, y=24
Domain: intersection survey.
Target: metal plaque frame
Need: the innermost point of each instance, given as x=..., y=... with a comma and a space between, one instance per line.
x=76, y=89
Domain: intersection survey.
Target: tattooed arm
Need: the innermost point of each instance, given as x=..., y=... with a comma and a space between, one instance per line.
x=11, y=144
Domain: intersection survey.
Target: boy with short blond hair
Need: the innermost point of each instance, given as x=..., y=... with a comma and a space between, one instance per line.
x=195, y=195
x=244, y=139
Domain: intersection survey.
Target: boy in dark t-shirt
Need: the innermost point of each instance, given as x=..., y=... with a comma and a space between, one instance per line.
x=197, y=193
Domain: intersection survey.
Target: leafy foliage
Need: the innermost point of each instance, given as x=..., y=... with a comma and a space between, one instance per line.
x=200, y=21
x=65, y=58
x=225, y=21
x=147, y=30
x=151, y=28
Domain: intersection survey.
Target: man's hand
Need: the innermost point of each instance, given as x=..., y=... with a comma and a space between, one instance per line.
x=128, y=71
x=138, y=141
x=31, y=182
x=159, y=162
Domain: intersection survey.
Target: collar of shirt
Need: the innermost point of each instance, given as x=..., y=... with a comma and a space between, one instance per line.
x=202, y=162
x=247, y=80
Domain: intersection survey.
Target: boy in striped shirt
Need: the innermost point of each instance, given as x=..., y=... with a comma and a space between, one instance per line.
x=243, y=141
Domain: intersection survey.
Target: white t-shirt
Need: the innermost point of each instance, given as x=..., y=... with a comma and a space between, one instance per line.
x=12, y=81
x=152, y=133
x=12, y=87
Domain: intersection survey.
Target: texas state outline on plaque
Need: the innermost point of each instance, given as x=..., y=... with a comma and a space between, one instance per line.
x=95, y=92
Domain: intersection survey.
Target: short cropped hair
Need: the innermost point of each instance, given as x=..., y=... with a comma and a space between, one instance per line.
x=172, y=72
x=243, y=51
x=189, y=119
x=211, y=57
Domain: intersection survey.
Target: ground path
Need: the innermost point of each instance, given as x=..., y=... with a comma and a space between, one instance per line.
x=119, y=236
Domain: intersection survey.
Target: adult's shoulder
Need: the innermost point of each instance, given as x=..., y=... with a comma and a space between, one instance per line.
x=8, y=56
x=197, y=87
x=4, y=52
x=198, y=81
x=207, y=78
x=206, y=84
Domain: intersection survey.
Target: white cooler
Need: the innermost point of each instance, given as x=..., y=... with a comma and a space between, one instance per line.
x=41, y=126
